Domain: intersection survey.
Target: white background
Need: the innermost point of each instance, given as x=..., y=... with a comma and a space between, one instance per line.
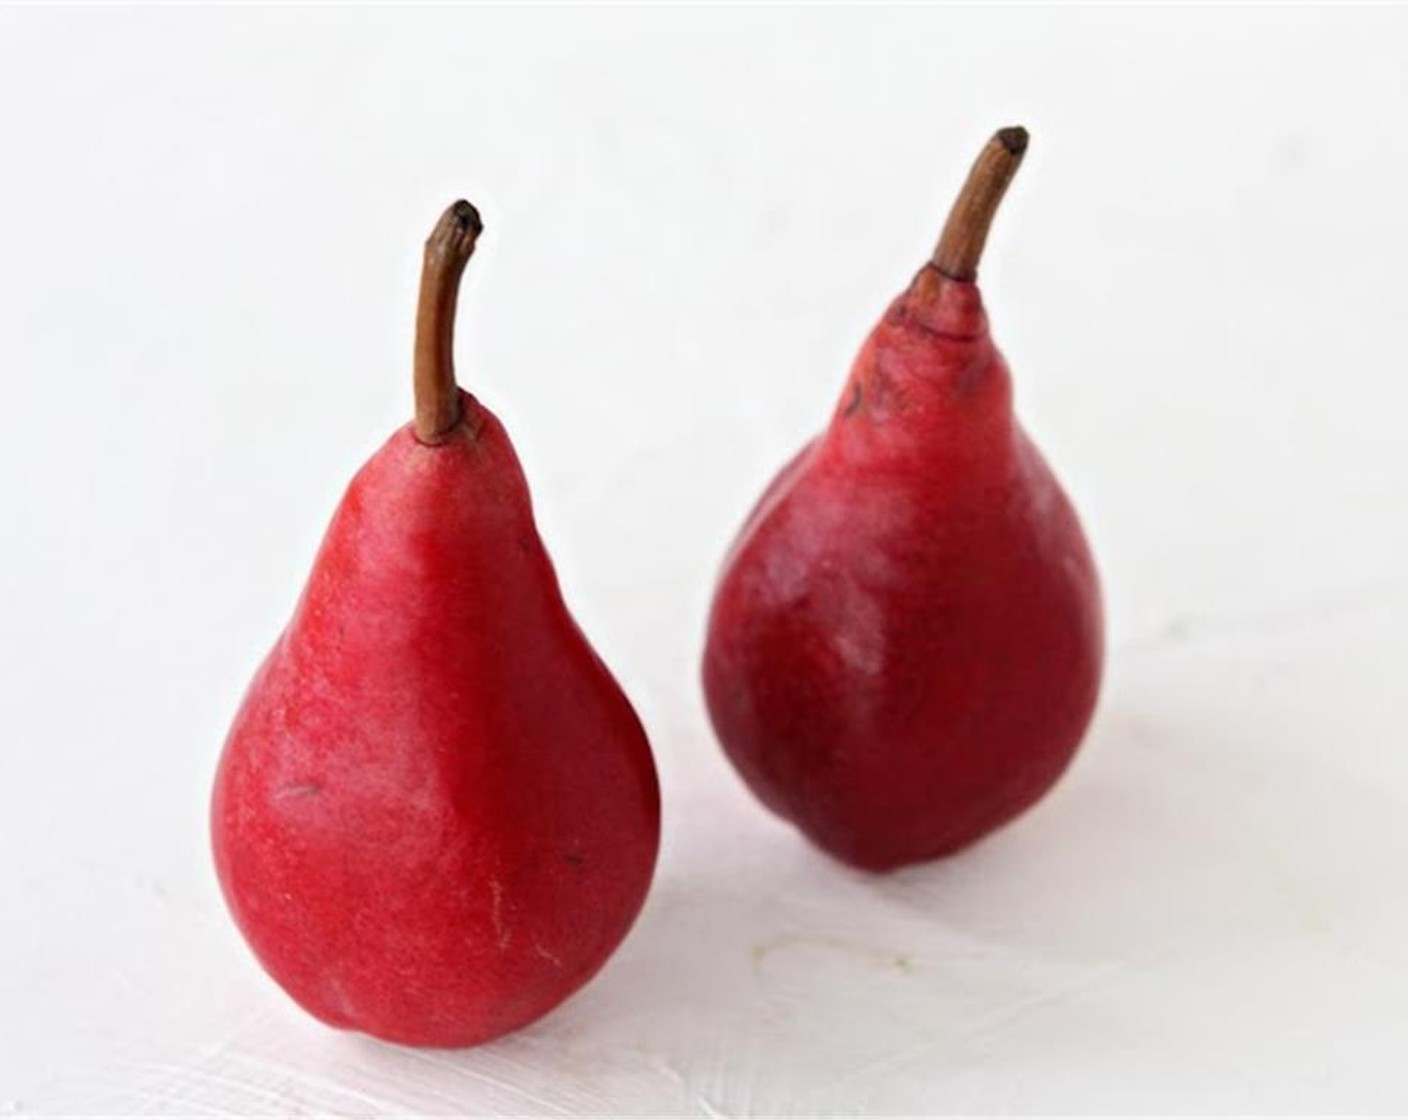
x=210, y=225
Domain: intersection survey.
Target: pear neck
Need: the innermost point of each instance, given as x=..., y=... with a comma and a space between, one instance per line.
x=943, y=306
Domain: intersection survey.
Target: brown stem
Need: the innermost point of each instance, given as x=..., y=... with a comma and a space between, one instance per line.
x=966, y=231
x=447, y=250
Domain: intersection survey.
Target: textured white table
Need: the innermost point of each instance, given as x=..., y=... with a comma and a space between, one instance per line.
x=208, y=250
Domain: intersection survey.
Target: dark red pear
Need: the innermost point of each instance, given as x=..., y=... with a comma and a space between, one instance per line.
x=905, y=644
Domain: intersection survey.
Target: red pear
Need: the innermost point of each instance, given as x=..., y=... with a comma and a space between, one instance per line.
x=905, y=644
x=436, y=814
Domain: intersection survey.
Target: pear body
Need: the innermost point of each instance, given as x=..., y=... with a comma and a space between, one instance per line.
x=905, y=645
x=436, y=814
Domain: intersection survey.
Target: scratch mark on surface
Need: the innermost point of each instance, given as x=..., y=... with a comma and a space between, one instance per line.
x=501, y=931
x=303, y=1077
x=1011, y=1012
x=705, y=1106
x=709, y=1108
x=881, y=958
x=178, y=1088
x=512, y=1086
x=661, y=1064
x=160, y=1083
x=1183, y=628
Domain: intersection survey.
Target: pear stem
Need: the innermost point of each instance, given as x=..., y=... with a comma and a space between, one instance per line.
x=447, y=251
x=966, y=231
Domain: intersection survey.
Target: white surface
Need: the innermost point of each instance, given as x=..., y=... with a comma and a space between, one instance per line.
x=209, y=243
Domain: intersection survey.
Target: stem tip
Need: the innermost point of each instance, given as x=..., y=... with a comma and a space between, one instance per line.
x=468, y=217
x=1014, y=139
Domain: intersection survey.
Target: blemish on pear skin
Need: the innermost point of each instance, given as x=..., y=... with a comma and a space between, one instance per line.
x=302, y=789
x=501, y=930
x=546, y=954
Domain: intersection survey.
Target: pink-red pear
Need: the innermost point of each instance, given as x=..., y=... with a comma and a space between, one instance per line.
x=436, y=814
